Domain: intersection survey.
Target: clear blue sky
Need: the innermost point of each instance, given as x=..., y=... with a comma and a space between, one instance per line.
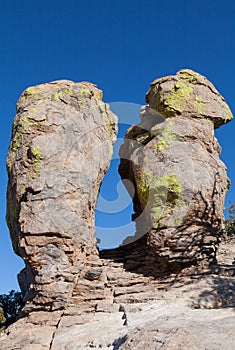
x=121, y=46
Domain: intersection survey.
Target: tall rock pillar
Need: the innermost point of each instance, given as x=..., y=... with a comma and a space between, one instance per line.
x=172, y=158
x=61, y=148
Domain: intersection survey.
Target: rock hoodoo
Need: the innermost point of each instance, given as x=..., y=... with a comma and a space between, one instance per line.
x=60, y=150
x=172, y=158
x=134, y=296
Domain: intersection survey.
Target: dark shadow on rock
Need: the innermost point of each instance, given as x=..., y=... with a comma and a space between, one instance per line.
x=220, y=291
x=118, y=342
x=136, y=258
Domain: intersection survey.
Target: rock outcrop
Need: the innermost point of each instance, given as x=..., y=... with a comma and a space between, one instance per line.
x=60, y=150
x=134, y=296
x=172, y=158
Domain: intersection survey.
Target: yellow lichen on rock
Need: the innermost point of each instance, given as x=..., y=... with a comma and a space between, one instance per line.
x=189, y=94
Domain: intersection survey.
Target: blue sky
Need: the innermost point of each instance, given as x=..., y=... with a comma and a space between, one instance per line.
x=119, y=45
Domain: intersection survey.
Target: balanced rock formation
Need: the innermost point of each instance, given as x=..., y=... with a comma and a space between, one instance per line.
x=172, y=158
x=60, y=150
x=77, y=298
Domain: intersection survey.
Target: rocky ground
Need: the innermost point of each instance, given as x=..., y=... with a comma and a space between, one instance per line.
x=180, y=312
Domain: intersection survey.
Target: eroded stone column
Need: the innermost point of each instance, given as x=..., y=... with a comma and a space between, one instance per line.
x=61, y=148
x=172, y=158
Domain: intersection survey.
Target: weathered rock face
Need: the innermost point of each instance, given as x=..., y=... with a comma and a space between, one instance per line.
x=60, y=150
x=172, y=158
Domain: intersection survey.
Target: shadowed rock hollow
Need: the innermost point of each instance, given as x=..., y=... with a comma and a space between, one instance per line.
x=132, y=297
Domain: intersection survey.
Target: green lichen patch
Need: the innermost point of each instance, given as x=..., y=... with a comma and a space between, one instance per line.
x=10, y=162
x=165, y=196
x=17, y=142
x=200, y=105
x=31, y=91
x=142, y=186
x=105, y=117
x=18, y=136
x=60, y=96
x=27, y=124
x=28, y=92
x=36, y=160
x=85, y=92
x=68, y=92
x=99, y=95
x=178, y=96
x=22, y=190
x=166, y=136
x=21, y=127
x=63, y=95
x=37, y=157
x=57, y=97
x=143, y=191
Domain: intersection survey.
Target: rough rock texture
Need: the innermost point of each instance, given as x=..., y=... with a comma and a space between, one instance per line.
x=172, y=158
x=180, y=312
x=60, y=150
x=120, y=298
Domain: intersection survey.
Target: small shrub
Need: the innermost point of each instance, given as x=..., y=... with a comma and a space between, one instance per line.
x=230, y=222
x=11, y=305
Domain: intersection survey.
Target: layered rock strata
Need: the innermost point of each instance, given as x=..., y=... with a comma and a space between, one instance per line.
x=60, y=150
x=172, y=158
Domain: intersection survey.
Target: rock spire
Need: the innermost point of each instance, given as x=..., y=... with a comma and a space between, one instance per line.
x=172, y=158
x=60, y=150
